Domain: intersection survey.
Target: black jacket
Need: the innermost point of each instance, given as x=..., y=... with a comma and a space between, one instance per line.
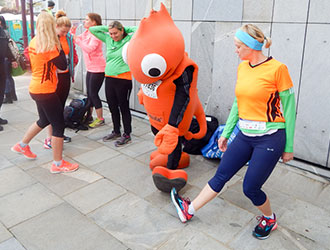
x=4, y=49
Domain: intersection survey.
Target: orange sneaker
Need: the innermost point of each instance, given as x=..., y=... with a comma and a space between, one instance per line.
x=65, y=167
x=26, y=151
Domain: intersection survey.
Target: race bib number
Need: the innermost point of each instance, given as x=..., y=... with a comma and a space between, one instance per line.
x=252, y=125
x=150, y=90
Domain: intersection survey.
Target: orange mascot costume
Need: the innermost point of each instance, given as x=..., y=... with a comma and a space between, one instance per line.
x=168, y=77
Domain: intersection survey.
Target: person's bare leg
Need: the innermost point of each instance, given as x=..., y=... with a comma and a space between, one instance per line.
x=49, y=131
x=266, y=208
x=57, y=145
x=32, y=131
x=99, y=113
x=206, y=195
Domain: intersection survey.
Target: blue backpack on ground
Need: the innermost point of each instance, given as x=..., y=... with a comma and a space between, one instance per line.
x=211, y=150
x=76, y=113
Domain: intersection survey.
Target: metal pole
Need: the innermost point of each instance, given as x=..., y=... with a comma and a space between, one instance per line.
x=25, y=38
x=31, y=19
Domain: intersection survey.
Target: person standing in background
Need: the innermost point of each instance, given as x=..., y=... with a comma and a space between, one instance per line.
x=118, y=78
x=10, y=92
x=95, y=65
x=63, y=25
x=4, y=53
x=46, y=56
x=50, y=7
x=267, y=130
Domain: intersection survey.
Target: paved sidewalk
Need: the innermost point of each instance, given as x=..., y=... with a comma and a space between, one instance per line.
x=111, y=202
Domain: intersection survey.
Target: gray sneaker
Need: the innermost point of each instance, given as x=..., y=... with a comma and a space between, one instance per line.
x=111, y=136
x=124, y=139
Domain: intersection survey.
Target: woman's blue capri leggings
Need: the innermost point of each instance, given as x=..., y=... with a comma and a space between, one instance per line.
x=262, y=153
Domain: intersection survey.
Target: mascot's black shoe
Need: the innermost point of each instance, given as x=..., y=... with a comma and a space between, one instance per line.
x=165, y=179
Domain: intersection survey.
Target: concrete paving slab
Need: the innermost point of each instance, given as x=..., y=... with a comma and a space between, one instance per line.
x=25, y=204
x=13, y=179
x=80, y=145
x=62, y=184
x=278, y=240
x=299, y=186
x=323, y=200
x=4, y=233
x=280, y=202
x=137, y=147
x=96, y=156
x=4, y=163
x=140, y=126
x=135, y=222
x=313, y=222
x=128, y=173
x=94, y=195
x=11, y=244
x=192, y=239
x=221, y=220
x=64, y=228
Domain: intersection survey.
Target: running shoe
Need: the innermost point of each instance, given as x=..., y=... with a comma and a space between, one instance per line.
x=48, y=143
x=181, y=205
x=265, y=227
x=96, y=123
x=26, y=151
x=3, y=121
x=66, y=139
x=65, y=167
x=124, y=139
x=111, y=136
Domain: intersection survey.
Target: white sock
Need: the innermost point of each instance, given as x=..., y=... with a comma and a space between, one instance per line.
x=57, y=163
x=23, y=145
x=270, y=217
x=191, y=209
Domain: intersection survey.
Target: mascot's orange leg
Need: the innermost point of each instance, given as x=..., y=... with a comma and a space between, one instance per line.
x=165, y=179
x=158, y=159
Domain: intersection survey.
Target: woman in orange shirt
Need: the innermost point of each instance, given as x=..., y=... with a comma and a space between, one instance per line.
x=63, y=25
x=46, y=57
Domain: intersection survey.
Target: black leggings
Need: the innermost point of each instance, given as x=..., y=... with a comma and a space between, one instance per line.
x=94, y=82
x=50, y=111
x=63, y=87
x=117, y=92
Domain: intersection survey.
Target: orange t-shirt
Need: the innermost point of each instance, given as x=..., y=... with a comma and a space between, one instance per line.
x=125, y=75
x=44, y=77
x=257, y=90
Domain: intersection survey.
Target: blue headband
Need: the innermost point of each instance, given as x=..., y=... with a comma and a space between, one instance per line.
x=248, y=40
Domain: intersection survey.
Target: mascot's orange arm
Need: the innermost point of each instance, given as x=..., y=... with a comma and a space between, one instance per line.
x=200, y=116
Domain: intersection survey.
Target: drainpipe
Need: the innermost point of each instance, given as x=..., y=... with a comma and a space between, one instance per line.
x=25, y=38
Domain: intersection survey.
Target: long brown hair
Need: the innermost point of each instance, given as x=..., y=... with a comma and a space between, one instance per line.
x=95, y=17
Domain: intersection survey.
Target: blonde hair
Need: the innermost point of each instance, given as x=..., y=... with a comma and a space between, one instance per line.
x=62, y=19
x=257, y=34
x=46, y=37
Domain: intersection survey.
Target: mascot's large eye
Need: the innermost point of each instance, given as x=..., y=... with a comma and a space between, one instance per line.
x=124, y=52
x=153, y=65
